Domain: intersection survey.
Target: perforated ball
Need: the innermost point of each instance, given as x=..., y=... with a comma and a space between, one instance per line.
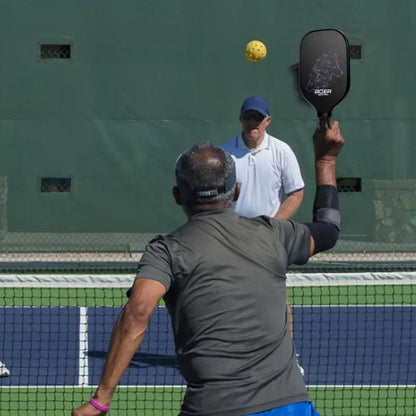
x=256, y=51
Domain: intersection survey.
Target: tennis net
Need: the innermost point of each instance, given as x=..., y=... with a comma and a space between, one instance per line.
x=355, y=334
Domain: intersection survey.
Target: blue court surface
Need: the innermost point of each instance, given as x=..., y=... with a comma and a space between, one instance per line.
x=355, y=345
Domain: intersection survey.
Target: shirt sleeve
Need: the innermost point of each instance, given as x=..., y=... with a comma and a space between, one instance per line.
x=291, y=174
x=296, y=239
x=155, y=263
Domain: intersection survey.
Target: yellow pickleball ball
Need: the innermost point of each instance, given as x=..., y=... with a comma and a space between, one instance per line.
x=256, y=51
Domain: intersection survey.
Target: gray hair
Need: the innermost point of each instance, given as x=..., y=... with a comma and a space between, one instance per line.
x=205, y=174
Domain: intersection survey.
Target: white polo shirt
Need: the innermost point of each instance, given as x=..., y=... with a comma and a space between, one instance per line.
x=266, y=174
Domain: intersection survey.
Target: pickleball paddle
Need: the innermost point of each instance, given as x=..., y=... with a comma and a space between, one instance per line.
x=324, y=70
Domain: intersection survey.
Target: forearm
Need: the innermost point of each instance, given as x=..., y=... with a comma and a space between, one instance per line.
x=325, y=172
x=127, y=335
x=326, y=216
x=290, y=205
x=327, y=145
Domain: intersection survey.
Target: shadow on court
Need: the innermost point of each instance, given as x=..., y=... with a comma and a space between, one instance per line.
x=143, y=360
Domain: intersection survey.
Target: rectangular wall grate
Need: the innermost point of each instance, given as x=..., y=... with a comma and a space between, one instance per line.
x=55, y=185
x=349, y=184
x=55, y=51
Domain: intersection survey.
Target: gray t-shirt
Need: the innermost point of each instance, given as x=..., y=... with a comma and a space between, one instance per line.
x=225, y=277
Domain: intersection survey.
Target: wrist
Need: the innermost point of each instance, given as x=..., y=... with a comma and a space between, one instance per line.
x=98, y=405
x=325, y=159
x=104, y=394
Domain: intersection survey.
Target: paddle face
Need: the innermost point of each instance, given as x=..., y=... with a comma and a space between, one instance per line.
x=324, y=69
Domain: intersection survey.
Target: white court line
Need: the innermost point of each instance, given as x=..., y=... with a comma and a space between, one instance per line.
x=83, y=347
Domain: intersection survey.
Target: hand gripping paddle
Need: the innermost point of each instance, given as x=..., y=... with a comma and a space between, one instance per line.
x=324, y=70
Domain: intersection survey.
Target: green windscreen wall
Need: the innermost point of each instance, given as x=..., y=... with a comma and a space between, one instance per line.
x=144, y=80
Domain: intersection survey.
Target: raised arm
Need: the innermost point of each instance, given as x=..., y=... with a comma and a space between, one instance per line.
x=327, y=144
x=326, y=216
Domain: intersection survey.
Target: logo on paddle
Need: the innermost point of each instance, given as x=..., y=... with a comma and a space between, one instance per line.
x=324, y=70
x=322, y=92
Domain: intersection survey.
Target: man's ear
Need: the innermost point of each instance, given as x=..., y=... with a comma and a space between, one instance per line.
x=177, y=195
x=268, y=121
x=237, y=191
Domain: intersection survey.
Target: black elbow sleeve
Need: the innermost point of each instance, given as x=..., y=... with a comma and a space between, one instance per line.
x=326, y=196
x=326, y=218
x=325, y=235
x=325, y=207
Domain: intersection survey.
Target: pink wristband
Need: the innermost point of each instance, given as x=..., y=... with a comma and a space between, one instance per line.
x=99, y=406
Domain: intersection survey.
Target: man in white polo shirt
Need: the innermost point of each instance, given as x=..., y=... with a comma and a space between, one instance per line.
x=266, y=168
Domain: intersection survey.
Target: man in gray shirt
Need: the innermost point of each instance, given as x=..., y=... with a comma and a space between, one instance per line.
x=223, y=278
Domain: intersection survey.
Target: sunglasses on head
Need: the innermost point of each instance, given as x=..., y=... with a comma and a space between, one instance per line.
x=254, y=116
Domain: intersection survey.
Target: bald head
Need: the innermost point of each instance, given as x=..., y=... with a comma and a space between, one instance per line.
x=205, y=175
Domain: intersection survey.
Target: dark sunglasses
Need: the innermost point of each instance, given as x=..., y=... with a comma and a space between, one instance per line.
x=255, y=117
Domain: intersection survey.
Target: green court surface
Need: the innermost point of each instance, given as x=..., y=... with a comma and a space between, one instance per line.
x=60, y=401
x=309, y=295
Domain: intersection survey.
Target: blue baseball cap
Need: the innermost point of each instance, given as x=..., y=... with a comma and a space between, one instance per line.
x=257, y=104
